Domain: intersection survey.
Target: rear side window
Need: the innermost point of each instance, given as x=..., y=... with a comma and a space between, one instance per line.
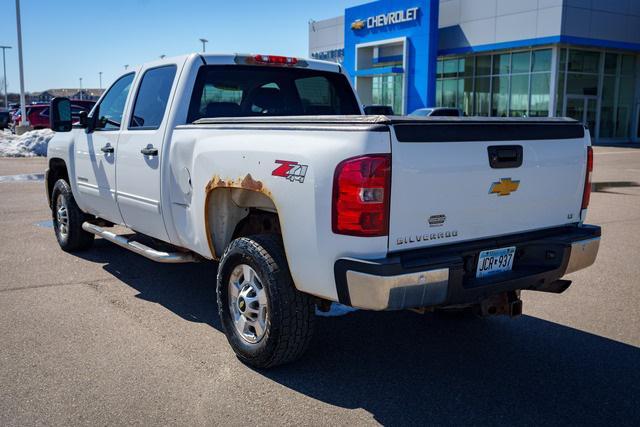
x=153, y=96
x=245, y=91
x=317, y=95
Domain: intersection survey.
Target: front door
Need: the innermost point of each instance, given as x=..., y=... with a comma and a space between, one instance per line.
x=140, y=154
x=583, y=109
x=95, y=166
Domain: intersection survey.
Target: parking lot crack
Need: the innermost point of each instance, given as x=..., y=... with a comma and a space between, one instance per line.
x=93, y=284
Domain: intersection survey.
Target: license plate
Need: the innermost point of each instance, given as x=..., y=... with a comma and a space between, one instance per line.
x=495, y=261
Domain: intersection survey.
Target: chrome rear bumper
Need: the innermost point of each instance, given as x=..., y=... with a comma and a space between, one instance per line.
x=446, y=275
x=583, y=254
x=376, y=292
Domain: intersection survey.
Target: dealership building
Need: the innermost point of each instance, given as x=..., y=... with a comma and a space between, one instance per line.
x=497, y=58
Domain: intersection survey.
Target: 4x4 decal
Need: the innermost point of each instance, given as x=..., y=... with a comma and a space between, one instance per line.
x=293, y=171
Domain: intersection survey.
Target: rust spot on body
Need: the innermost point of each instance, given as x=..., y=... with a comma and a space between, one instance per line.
x=251, y=184
x=246, y=183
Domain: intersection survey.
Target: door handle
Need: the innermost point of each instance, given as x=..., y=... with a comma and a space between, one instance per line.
x=107, y=149
x=505, y=156
x=149, y=150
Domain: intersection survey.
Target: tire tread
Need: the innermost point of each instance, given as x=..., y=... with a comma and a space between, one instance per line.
x=295, y=311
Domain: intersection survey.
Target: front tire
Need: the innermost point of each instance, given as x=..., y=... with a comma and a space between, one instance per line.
x=68, y=219
x=266, y=320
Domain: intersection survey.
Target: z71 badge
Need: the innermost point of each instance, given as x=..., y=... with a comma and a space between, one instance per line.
x=293, y=171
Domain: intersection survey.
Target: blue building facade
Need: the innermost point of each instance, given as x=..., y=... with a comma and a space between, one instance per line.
x=391, y=50
x=498, y=58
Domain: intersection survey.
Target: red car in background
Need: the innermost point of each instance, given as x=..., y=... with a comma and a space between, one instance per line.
x=38, y=114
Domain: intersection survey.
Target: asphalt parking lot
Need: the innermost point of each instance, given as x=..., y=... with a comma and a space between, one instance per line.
x=108, y=337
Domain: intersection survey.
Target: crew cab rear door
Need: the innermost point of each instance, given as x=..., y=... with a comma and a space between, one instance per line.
x=464, y=179
x=140, y=152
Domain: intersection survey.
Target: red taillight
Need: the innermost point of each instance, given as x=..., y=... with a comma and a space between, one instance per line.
x=361, y=192
x=274, y=59
x=586, y=195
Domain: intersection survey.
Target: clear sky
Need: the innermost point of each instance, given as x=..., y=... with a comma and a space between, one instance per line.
x=67, y=39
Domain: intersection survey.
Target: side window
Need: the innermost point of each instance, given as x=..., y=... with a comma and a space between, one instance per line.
x=111, y=107
x=220, y=100
x=153, y=96
x=317, y=96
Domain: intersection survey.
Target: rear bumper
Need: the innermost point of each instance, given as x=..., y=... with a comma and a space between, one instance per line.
x=445, y=275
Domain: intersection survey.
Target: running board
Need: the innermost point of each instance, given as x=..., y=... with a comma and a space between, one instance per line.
x=139, y=248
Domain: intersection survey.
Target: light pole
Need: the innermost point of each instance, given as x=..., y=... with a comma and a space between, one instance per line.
x=80, y=88
x=4, y=66
x=204, y=42
x=23, y=103
x=126, y=66
x=163, y=56
x=100, y=74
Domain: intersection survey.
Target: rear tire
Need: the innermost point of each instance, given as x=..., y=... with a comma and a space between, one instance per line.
x=68, y=219
x=267, y=321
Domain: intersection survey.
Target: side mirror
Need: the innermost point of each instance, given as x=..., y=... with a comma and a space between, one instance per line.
x=87, y=122
x=60, y=115
x=83, y=119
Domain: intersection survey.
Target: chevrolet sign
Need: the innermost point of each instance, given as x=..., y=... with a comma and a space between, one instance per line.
x=391, y=18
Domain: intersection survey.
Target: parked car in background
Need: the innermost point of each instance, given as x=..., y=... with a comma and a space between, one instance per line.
x=5, y=119
x=39, y=113
x=373, y=110
x=437, y=112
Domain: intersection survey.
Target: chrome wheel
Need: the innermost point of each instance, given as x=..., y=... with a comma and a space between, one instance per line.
x=62, y=217
x=248, y=303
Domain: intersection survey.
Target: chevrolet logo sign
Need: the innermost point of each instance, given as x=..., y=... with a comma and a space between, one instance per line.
x=504, y=187
x=358, y=25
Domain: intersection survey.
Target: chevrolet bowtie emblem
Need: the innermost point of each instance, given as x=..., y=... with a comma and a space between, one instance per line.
x=357, y=25
x=504, y=187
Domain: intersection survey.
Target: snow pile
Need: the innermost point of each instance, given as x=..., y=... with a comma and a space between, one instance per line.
x=30, y=144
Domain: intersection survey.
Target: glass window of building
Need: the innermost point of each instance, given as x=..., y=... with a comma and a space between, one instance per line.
x=519, y=105
x=387, y=90
x=482, y=96
x=582, y=61
x=540, y=86
x=541, y=60
x=501, y=63
x=500, y=99
x=483, y=65
x=520, y=62
x=500, y=85
x=597, y=88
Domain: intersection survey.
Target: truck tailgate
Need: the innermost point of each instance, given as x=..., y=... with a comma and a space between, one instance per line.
x=466, y=179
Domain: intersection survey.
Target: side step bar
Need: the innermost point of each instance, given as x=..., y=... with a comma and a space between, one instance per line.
x=139, y=248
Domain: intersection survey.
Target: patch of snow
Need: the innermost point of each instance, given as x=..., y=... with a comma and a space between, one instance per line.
x=336, y=310
x=30, y=144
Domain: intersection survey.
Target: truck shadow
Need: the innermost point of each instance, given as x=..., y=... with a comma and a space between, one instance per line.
x=405, y=368
x=187, y=290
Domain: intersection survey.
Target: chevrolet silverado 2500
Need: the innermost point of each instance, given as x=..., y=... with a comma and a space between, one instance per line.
x=267, y=165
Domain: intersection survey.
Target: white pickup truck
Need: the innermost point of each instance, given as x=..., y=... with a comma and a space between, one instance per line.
x=268, y=165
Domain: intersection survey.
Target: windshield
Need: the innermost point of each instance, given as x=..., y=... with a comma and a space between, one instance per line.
x=245, y=91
